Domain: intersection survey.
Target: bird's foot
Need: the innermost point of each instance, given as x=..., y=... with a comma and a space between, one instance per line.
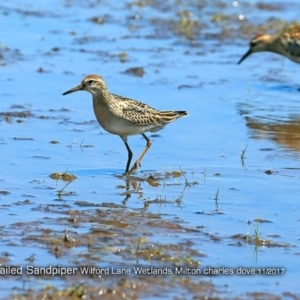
x=134, y=168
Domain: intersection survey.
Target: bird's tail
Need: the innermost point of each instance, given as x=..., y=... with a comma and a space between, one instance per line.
x=170, y=116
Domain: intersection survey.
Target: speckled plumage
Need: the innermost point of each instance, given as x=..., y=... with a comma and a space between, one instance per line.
x=141, y=114
x=286, y=43
x=124, y=116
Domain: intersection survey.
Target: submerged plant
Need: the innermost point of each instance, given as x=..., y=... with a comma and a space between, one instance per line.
x=244, y=152
x=217, y=199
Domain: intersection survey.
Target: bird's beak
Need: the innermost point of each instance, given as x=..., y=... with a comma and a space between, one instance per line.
x=245, y=56
x=74, y=89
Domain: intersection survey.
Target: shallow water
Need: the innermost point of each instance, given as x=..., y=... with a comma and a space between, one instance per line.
x=203, y=215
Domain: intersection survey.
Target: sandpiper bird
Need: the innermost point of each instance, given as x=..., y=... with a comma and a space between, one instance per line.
x=286, y=43
x=123, y=116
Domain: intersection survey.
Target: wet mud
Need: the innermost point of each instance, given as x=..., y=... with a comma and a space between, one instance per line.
x=213, y=211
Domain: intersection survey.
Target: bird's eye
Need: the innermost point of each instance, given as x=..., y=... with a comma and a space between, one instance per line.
x=90, y=82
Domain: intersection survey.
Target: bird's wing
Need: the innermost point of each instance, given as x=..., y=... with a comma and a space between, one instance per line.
x=137, y=112
x=293, y=45
x=144, y=115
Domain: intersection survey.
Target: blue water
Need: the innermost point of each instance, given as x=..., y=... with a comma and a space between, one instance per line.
x=202, y=78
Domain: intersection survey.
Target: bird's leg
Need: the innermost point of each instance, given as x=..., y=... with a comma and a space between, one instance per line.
x=137, y=164
x=129, y=154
